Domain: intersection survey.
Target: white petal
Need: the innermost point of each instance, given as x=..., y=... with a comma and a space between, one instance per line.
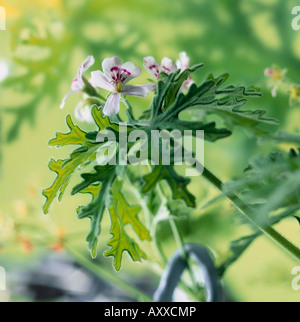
x=148, y=87
x=112, y=105
x=151, y=66
x=109, y=63
x=89, y=62
x=274, y=92
x=78, y=83
x=63, y=103
x=4, y=71
x=83, y=113
x=185, y=60
x=178, y=64
x=131, y=70
x=100, y=80
x=168, y=66
x=139, y=90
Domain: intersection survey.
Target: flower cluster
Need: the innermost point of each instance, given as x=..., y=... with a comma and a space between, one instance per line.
x=278, y=81
x=114, y=79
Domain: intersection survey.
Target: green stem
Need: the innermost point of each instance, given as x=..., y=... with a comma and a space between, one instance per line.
x=245, y=210
x=180, y=243
x=158, y=247
x=109, y=276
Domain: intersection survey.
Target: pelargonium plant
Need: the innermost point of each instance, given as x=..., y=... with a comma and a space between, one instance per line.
x=270, y=183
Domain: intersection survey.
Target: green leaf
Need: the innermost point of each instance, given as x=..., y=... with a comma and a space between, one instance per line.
x=103, y=122
x=224, y=102
x=282, y=137
x=65, y=168
x=123, y=214
x=60, y=184
x=177, y=183
x=211, y=133
x=177, y=83
x=271, y=182
x=298, y=219
x=75, y=137
x=239, y=246
x=98, y=184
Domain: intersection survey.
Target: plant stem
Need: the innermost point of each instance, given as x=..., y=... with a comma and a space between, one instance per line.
x=180, y=243
x=109, y=276
x=158, y=247
x=245, y=210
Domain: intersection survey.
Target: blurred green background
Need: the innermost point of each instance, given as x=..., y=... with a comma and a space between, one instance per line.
x=43, y=46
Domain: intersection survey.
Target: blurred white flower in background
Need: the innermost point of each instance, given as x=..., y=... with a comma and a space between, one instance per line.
x=4, y=71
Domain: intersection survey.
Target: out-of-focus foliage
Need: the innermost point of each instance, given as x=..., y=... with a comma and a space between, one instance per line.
x=270, y=185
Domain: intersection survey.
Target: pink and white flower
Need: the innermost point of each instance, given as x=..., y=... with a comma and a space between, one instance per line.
x=153, y=68
x=276, y=78
x=184, y=63
x=114, y=79
x=78, y=83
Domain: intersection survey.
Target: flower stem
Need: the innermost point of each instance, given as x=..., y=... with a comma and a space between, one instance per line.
x=180, y=243
x=245, y=210
x=105, y=274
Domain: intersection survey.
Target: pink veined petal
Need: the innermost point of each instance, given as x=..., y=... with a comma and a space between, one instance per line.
x=63, y=103
x=168, y=66
x=98, y=79
x=78, y=83
x=131, y=70
x=109, y=63
x=112, y=105
x=138, y=90
x=151, y=66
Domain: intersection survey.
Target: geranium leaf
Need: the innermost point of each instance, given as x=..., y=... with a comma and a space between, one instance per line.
x=177, y=183
x=123, y=214
x=65, y=168
x=98, y=184
x=75, y=137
